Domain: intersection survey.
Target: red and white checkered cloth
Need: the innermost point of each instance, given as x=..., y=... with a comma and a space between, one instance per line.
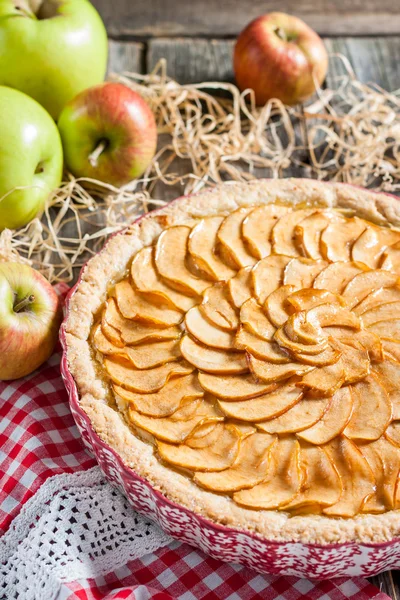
x=38, y=439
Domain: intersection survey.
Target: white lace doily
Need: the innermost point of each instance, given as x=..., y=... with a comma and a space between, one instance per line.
x=75, y=527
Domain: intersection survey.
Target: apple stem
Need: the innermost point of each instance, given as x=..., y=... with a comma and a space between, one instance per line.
x=24, y=303
x=281, y=34
x=94, y=156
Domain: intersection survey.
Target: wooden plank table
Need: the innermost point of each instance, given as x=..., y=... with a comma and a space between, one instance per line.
x=374, y=59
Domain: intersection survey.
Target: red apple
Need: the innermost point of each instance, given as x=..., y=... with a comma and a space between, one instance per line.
x=30, y=317
x=279, y=56
x=108, y=133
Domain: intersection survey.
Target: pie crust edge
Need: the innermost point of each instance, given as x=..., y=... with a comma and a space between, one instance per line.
x=110, y=265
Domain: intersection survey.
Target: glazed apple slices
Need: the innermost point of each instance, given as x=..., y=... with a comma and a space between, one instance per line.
x=234, y=387
x=133, y=305
x=283, y=481
x=232, y=245
x=257, y=227
x=301, y=272
x=335, y=277
x=218, y=309
x=283, y=239
x=333, y=421
x=206, y=449
x=307, y=233
x=206, y=332
x=249, y=469
x=212, y=360
x=384, y=459
x=276, y=305
x=371, y=245
x=166, y=400
x=273, y=372
x=267, y=275
x=240, y=287
x=303, y=415
x=144, y=381
x=256, y=346
x=263, y=407
x=372, y=410
x=256, y=321
x=338, y=238
x=364, y=283
x=202, y=245
x=175, y=428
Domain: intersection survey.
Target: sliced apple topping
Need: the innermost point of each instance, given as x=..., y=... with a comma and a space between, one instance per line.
x=329, y=356
x=240, y=287
x=170, y=258
x=206, y=332
x=286, y=342
x=308, y=232
x=355, y=474
x=283, y=237
x=263, y=407
x=231, y=241
x=216, y=451
x=338, y=238
x=202, y=248
x=304, y=300
x=388, y=373
x=370, y=245
x=333, y=421
x=283, y=481
x=255, y=320
x=386, y=329
x=269, y=351
x=234, y=387
x=391, y=349
x=217, y=308
x=144, y=381
x=267, y=275
x=363, y=284
x=335, y=277
x=391, y=259
x=322, y=485
x=301, y=272
x=272, y=372
x=135, y=306
x=393, y=433
x=178, y=426
x=211, y=360
x=372, y=410
x=384, y=460
x=276, y=304
x=146, y=279
x=378, y=297
x=257, y=228
x=303, y=415
x=249, y=469
x=360, y=340
x=103, y=344
x=134, y=332
x=167, y=400
x=384, y=312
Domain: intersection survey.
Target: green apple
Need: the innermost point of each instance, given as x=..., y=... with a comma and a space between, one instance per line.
x=31, y=158
x=30, y=317
x=51, y=49
x=108, y=133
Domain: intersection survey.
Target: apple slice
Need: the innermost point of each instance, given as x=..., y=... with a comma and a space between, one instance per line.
x=304, y=300
x=370, y=245
x=360, y=340
x=363, y=284
x=170, y=259
x=249, y=468
x=272, y=372
x=327, y=315
x=257, y=228
x=357, y=479
x=282, y=236
x=338, y=238
x=333, y=421
x=283, y=480
x=391, y=259
x=146, y=279
x=213, y=361
x=234, y=387
x=322, y=485
x=384, y=460
x=276, y=304
x=269, y=351
x=308, y=232
x=255, y=320
x=264, y=407
x=384, y=312
x=145, y=381
x=218, y=450
x=267, y=275
x=386, y=329
x=208, y=333
x=145, y=356
x=393, y=433
x=240, y=287
x=102, y=343
x=335, y=277
x=388, y=373
x=232, y=246
x=286, y=342
x=303, y=415
x=301, y=272
x=378, y=297
x=112, y=334
x=137, y=307
x=177, y=427
x=134, y=332
x=217, y=308
x=391, y=350
x=372, y=410
x=202, y=245
x=167, y=400
x=329, y=356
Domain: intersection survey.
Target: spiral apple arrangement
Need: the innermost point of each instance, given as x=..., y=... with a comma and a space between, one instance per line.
x=53, y=58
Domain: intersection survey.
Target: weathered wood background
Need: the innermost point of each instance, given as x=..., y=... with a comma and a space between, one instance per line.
x=197, y=38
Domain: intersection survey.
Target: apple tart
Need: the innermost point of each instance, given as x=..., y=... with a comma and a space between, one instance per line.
x=240, y=349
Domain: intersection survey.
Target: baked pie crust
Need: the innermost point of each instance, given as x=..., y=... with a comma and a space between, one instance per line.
x=240, y=350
